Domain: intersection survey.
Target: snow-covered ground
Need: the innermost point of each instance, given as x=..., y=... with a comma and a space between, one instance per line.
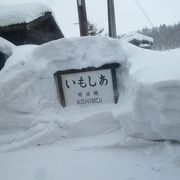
x=70, y=160
x=39, y=139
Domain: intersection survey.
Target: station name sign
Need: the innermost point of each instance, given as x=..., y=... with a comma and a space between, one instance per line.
x=88, y=86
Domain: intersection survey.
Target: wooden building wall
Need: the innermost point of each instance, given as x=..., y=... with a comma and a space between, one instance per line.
x=39, y=31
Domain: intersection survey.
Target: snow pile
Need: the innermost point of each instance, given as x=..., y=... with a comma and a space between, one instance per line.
x=6, y=47
x=21, y=13
x=148, y=82
x=156, y=110
x=29, y=105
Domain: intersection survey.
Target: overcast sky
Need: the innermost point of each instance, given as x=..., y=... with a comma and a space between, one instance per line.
x=128, y=16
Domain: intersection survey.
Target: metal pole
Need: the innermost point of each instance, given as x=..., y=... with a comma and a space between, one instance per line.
x=83, y=23
x=111, y=19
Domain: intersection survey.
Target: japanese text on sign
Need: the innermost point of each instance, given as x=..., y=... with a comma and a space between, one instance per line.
x=85, y=88
x=83, y=84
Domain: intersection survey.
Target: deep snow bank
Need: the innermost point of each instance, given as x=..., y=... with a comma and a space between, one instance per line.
x=29, y=106
x=155, y=106
x=148, y=82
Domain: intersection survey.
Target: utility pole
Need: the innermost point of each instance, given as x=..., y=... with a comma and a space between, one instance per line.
x=83, y=23
x=111, y=19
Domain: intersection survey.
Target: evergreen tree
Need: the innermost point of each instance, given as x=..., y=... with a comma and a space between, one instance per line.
x=93, y=30
x=165, y=37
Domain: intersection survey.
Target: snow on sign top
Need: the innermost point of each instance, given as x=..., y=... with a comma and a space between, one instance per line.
x=21, y=13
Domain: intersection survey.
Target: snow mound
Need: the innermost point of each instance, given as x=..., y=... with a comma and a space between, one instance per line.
x=157, y=110
x=6, y=47
x=21, y=13
x=28, y=97
x=155, y=107
x=148, y=82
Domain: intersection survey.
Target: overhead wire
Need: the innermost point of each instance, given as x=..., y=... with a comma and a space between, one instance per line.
x=144, y=12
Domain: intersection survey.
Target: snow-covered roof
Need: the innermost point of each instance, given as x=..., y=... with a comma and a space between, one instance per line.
x=21, y=13
x=136, y=36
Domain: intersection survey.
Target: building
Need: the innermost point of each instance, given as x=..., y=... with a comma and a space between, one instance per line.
x=138, y=39
x=31, y=23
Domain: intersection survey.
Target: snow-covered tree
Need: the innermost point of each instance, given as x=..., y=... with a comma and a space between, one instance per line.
x=93, y=30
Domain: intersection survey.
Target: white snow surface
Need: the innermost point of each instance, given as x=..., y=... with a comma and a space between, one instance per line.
x=155, y=106
x=67, y=161
x=148, y=106
x=21, y=13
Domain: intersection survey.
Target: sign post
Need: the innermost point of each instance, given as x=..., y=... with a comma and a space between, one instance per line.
x=88, y=86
